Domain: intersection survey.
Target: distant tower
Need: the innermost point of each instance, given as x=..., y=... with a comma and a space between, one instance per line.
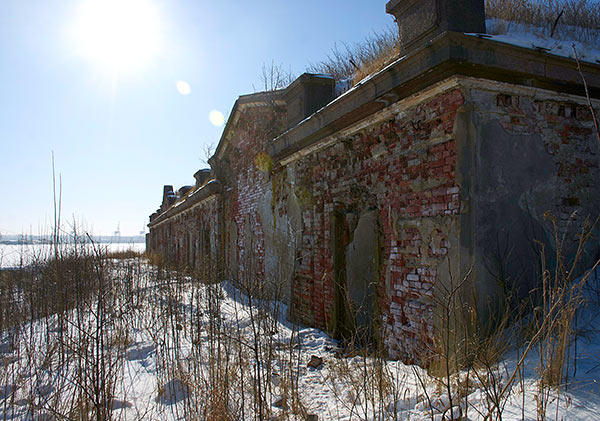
x=118, y=231
x=143, y=231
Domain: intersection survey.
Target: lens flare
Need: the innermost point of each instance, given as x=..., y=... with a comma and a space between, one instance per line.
x=216, y=118
x=183, y=87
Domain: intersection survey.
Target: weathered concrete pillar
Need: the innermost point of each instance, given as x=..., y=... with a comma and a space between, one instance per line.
x=306, y=95
x=202, y=177
x=182, y=191
x=419, y=21
x=168, y=197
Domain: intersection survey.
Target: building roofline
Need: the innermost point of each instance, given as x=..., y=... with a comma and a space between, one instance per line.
x=449, y=54
x=212, y=188
x=245, y=101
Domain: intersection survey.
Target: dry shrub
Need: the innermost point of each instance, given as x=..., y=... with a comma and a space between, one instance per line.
x=563, y=19
x=128, y=253
x=156, y=259
x=561, y=299
x=274, y=77
x=46, y=287
x=362, y=59
x=546, y=322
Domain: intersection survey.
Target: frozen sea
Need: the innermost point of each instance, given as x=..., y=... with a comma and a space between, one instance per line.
x=15, y=255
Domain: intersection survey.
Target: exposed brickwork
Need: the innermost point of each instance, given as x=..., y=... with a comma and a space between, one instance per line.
x=566, y=130
x=247, y=181
x=192, y=238
x=404, y=168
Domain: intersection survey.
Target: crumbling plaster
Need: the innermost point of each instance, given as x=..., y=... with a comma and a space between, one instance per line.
x=527, y=156
x=431, y=200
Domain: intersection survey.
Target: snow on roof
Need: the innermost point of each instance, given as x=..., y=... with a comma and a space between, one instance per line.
x=533, y=37
x=527, y=36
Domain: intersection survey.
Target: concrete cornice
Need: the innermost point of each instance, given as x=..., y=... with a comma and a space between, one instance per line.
x=212, y=188
x=449, y=54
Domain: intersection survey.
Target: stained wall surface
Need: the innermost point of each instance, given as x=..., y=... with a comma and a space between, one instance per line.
x=369, y=229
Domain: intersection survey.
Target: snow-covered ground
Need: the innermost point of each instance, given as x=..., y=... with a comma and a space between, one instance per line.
x=177, y=349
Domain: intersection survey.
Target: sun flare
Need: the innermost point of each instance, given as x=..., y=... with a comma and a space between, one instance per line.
x=118, y=34
x=216, y=118
x=183, y=87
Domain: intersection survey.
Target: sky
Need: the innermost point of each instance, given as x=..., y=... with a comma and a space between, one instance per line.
x=121, y=93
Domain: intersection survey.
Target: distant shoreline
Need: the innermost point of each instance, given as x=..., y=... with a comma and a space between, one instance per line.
x=22, y=254
x=96, y=240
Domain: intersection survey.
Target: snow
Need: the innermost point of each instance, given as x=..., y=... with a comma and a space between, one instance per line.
x=521, y=35
x=342, y=86
x=163, y=348
x=166, y=358
x=534, y=38
x=323, y=75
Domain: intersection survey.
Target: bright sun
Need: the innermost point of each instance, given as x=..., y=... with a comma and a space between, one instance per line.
x=120, y=35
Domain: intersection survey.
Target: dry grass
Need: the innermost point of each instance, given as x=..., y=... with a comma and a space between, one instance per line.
x=128, y=253
x=577, y=20
x=220, y=372
x=362, y=59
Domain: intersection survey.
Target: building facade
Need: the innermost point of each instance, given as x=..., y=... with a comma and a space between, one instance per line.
x=432, y=184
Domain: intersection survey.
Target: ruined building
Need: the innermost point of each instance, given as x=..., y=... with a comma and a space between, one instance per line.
x=426, y=183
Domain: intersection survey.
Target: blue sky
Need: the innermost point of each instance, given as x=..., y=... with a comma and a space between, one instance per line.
x=119, y=133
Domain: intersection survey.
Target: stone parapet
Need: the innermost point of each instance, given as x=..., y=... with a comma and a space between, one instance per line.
x=211, y=188
x=449, y=54
x=306, y=95
x=419, y=21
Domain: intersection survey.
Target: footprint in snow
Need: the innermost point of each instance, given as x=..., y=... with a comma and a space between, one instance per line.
x=5, y=348
x=6, y=391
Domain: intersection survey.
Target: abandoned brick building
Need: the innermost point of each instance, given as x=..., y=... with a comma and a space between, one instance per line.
x=369, y=208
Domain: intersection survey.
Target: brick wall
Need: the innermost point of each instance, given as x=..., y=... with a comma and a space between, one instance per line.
x=446, y=173
x=535, y=162
x=247, y=181
x=405, y=169
x=566, y=131
x=192, y=238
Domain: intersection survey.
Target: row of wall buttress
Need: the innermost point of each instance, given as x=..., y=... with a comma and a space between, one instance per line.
x=362, y=234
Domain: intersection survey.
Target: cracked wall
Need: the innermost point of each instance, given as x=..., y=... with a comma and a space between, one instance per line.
x=439, y=195
x=392, y=189
x=531, y=157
